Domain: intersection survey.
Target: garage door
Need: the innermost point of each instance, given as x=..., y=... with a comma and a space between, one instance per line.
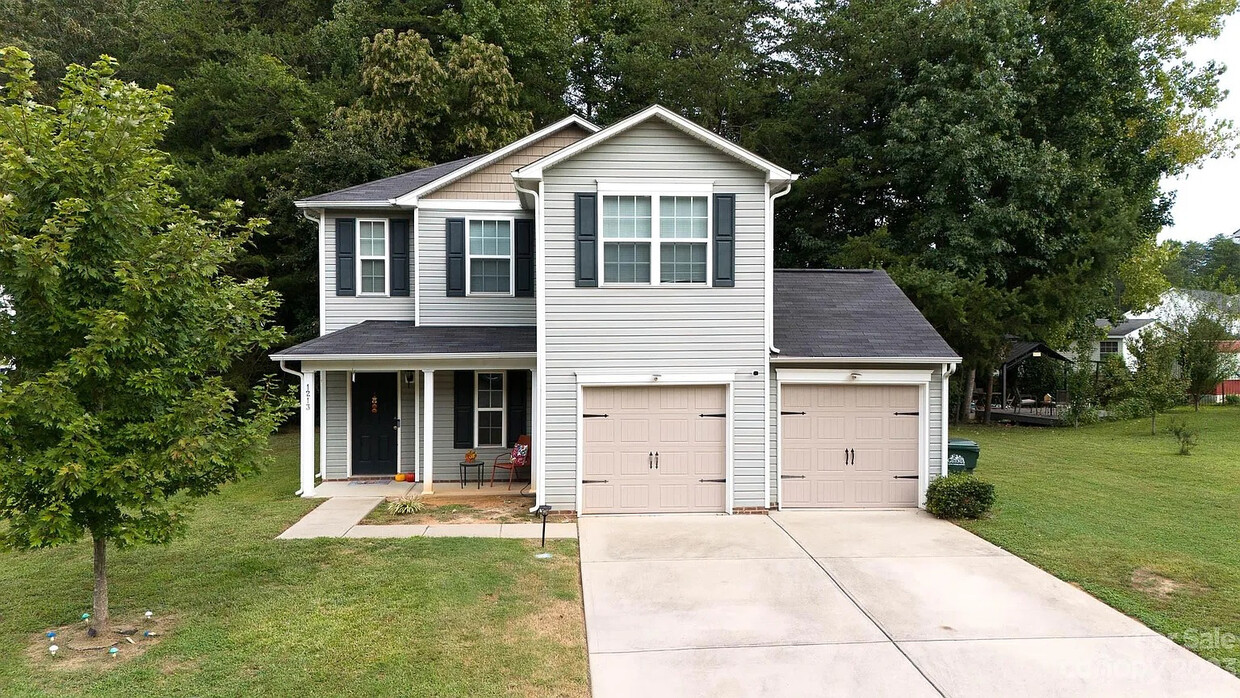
x=849, y=445
x=656, y=449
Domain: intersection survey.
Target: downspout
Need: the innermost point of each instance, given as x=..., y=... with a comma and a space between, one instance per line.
x=769, y=331
x=300, y=376
x=540, y=361
x=770, y=270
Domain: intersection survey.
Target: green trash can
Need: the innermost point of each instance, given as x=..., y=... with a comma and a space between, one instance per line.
x=962, y=455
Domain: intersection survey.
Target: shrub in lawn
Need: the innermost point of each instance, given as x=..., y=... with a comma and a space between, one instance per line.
x=959, y=496
x=1231, y=399
x=1186, y=436
x=407, y=505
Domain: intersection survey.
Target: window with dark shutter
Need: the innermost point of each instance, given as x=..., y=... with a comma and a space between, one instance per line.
x=346, y=244
x=724, y=242
x=585, y=210
x=518, y=385
x=399, y=253
x=523, y=233
x=463, y=409
x=456, y=256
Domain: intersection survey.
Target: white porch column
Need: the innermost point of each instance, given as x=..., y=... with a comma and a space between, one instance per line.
x=428, y=431
x=306, y=428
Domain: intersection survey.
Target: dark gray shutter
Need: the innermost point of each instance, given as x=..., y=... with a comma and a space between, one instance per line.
x=523, y=241
x=725, y=240
x=399, y=253
x=346, y=266
x=456, y=256
x=585, y=210
x=517, y=385
x=463, y=409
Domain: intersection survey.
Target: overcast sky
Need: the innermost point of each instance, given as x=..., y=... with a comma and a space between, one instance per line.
x=1207, y=200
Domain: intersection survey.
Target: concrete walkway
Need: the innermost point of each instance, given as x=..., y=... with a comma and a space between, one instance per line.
x=890, y=603
x=339, y=516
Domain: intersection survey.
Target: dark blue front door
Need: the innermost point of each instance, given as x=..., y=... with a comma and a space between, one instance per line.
x=374, y=424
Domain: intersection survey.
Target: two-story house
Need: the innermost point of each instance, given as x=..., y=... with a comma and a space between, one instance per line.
x=610, y=292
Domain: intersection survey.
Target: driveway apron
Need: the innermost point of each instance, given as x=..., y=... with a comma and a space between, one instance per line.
x=851, y=603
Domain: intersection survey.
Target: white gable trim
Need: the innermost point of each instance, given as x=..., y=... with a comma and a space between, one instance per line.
x=411, y=199
x=534, y=171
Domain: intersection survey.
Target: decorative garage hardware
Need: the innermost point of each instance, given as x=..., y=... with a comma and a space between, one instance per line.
x=907, y=414
x=903, y=477
x=722, y=479
x=594, y=416
x=594, y=482
x=791, y=477
x=850, y=456
x=656, y=460
x=653, y=460
x=720, y=414
x=787, y=412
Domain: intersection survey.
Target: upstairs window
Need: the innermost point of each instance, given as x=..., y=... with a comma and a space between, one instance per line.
x=1108, y=346
x=372, y=253
x=490, y=257
x=641, y=234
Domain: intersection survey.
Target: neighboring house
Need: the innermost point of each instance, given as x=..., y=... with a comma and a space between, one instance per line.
x=1119, y=337
x=611, y=292
x=1186, y=301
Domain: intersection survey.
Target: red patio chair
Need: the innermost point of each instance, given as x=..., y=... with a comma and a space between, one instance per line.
x=519, y=457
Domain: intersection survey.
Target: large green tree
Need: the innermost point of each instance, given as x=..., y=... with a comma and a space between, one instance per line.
x=113, y=407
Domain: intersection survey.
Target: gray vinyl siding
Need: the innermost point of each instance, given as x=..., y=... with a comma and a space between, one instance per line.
x=655, y=329
x=408, y=423
x=936, y=417
x=343, y=311
x=336, y=465
x=448, y=457
x=437, y=307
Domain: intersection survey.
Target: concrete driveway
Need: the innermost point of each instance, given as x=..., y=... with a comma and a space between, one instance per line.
x=887, y=603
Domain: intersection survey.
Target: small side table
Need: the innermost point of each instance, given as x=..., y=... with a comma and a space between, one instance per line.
x=465, y=466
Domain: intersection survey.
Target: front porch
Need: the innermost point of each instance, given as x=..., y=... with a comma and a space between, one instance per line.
x=395, y=398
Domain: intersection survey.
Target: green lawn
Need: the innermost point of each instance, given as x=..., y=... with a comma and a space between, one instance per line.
x=256, y=616
x=1098, y=504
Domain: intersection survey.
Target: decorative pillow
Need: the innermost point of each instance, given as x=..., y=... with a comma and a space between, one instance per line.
x=520, y=452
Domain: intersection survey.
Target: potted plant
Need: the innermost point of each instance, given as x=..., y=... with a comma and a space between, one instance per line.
x=471, y=455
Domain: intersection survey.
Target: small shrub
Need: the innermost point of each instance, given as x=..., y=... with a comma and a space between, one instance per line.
x=1183, y=434
x=959, y=496
x=1131, y=408
x=1231, y=399
x=407, y=505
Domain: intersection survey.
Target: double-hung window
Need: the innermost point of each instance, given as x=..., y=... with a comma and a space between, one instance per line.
x=372, y=253
x=1108, y=346
x=490, y=257
x=655, y=239
x=489, y=407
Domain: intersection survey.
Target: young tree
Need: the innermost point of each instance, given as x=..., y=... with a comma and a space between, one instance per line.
x=113, y=410
x=1155, y=383
x=1199, y=331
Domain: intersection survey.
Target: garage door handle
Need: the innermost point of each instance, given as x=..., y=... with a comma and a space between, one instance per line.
x=907, y=414
x=852, y=456
x=650, y=460
x=903, y=477
x=656, y=460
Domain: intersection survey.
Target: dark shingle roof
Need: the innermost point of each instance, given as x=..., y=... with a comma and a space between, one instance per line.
x=850, y=313
x=403, y=337
x=1022, y=348
x=1126, y=327
x=381, y=190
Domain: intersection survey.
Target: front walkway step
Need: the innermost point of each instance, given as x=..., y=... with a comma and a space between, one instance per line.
x=332, y=518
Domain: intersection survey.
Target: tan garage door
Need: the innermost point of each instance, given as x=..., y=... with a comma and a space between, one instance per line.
x=658, y=449
x=849, y=445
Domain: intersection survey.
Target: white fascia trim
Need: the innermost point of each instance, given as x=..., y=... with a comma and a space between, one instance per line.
x=534, y=171
x=585, y=378
x=862, y=376
x=470, y=205
x=401, y=357
x=953, y=360
x=643, y=187
x=413, y=196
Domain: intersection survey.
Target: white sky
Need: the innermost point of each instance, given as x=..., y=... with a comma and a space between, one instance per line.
x=1207, y=200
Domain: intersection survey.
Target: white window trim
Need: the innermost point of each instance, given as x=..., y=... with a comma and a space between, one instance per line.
x=511, y=257
x=386, y=258
x=1103, y=352
x=503, y=411
x=656, y=240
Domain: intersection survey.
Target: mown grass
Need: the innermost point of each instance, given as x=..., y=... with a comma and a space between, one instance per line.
x=1100, y=505
x=257, y=616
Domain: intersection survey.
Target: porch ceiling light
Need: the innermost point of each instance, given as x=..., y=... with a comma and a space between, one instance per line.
x=1037, y=354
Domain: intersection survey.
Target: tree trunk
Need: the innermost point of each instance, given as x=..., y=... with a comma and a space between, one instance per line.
x=990, y=392
x=99, y=605
x=967, y=401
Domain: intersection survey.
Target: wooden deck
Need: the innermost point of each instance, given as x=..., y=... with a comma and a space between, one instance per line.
x=1035, y=418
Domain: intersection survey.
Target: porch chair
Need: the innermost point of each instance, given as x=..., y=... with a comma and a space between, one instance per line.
x=519, y=457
